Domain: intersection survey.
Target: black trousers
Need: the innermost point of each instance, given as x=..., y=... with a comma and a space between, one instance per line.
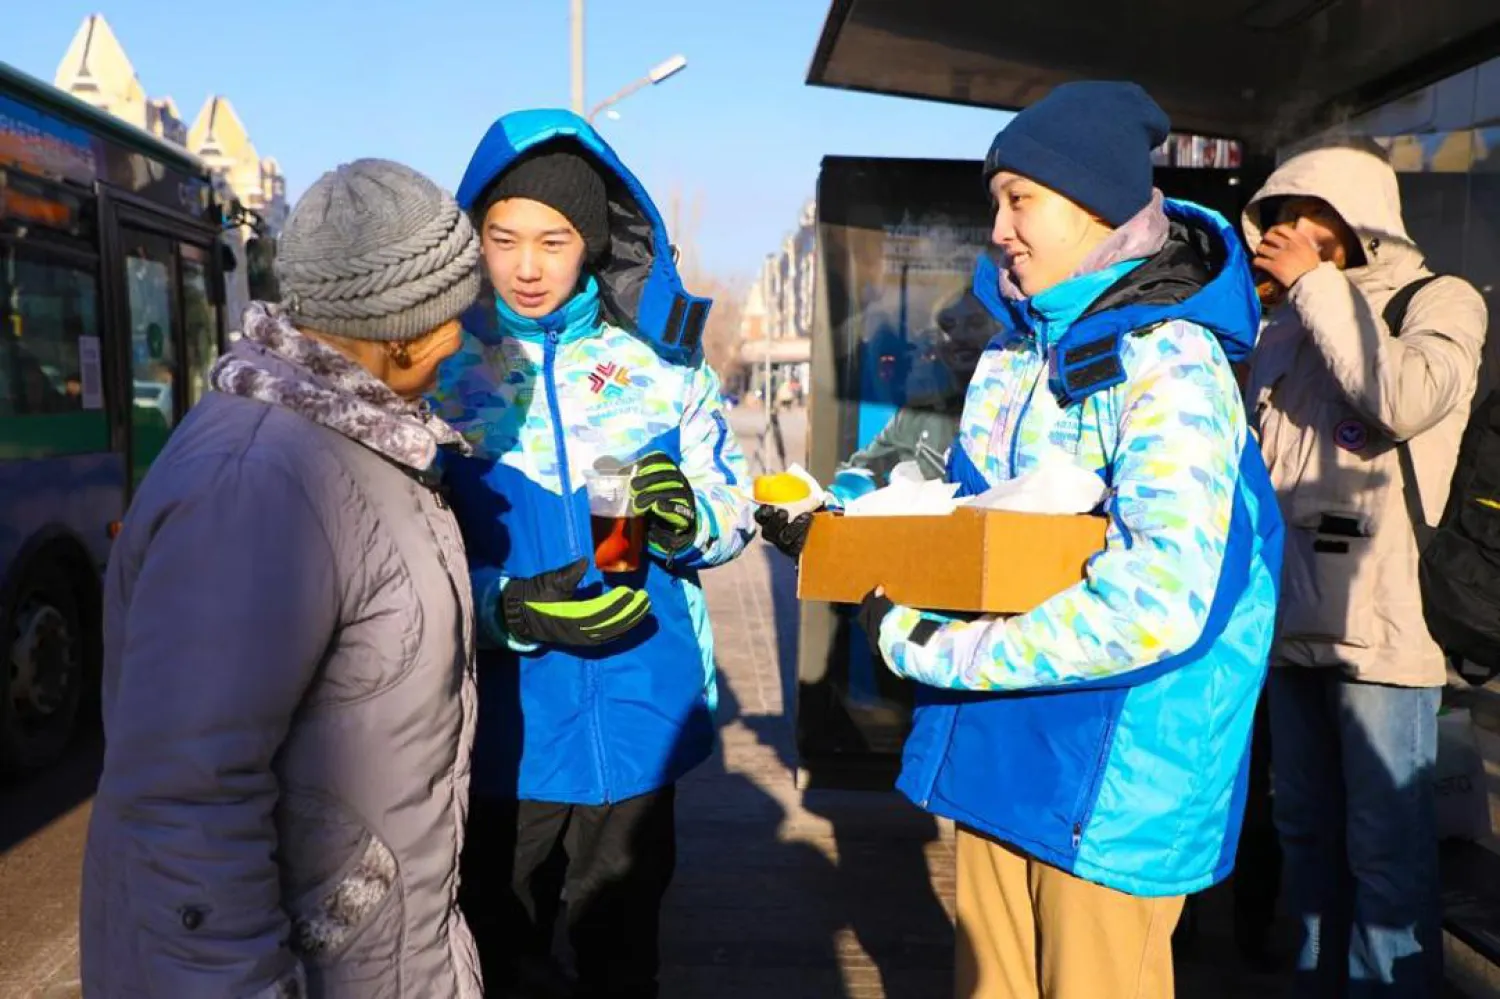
x=1257, y=874
x=612, y=863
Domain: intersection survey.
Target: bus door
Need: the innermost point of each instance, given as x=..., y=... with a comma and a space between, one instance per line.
x=165, y=305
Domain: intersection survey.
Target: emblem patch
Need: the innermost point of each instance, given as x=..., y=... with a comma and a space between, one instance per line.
x=608, y=379
x=1351, y=435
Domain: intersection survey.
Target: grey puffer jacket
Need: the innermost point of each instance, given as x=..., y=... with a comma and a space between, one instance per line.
x=288, y=700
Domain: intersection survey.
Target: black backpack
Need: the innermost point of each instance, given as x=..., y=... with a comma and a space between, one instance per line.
x=1459, y=569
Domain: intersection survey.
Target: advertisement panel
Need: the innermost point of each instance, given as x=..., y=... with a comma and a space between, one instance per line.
x=897, y=339
x=45, y=146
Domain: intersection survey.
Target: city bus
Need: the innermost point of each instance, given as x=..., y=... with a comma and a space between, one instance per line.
x=112, y=272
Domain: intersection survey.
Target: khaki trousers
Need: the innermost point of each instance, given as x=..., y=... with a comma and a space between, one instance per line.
x=1027, y=930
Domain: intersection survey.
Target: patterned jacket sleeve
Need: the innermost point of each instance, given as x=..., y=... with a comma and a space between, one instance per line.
x=1146, y=598
x=714, y=464
x=486, y=581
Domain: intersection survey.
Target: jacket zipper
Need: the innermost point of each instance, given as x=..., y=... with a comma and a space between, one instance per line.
x=564, y=471
x=551, y=326
x=1015, y=429
x=549, y=370
x=1098, y=776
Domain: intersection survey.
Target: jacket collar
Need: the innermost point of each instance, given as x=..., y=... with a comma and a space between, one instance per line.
x=275, y=363
x=1051, y=313
x=576, y=320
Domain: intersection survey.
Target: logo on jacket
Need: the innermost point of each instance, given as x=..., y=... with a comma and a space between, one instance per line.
x=609, y=379
x=1351, y=435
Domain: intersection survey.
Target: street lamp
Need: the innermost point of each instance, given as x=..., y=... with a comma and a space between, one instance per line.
x=659, y=74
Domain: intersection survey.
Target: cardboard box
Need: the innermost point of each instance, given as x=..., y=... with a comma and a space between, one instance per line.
x=971, y=560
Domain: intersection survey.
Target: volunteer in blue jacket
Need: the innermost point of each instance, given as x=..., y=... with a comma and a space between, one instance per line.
x=1093, y=750
x=596, y=692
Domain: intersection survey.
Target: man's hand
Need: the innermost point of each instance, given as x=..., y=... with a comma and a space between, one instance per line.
x=545, y=610
x=787, y=534
x=1287, y=254
x=662, y=494
x=872, y=613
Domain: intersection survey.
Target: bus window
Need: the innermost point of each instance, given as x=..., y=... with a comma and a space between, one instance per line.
x=201, y=318
x=153, y=360
x=48, y=304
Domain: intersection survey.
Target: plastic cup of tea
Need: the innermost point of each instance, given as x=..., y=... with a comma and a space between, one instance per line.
x=619, y=534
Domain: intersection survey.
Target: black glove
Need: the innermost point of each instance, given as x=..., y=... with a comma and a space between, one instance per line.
x=872, y=611
x=788, y=535
x=662, y=494
x=543, y=609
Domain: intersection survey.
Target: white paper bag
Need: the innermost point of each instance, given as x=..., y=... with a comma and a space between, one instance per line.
x=1458, y=781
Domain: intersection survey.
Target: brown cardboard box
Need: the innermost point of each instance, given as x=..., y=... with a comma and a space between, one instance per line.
x=971, y=560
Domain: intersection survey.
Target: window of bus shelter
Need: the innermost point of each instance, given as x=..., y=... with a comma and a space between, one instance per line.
x=153, y=351
x=1444, y=143
x=50, y=386
x=201, y=319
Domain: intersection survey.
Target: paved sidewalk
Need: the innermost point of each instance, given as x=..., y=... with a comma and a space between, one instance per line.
x=834, y=895
x=786, y=895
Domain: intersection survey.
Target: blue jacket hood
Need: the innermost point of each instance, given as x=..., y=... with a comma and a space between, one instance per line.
x=638, y=278
x=1202, y=276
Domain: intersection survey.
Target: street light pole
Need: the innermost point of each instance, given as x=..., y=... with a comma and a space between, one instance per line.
x=659, y=73
x=577, y=26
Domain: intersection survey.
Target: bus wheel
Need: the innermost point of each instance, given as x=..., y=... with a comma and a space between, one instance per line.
x=42, y=654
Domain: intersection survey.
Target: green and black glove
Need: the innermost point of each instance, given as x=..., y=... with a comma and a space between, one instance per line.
x=662, y=494
x=544, y=609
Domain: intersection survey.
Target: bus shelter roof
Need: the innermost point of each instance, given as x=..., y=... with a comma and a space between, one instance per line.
x=1264, y=71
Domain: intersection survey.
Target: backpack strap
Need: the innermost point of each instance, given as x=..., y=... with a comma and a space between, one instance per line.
x=1394, y=315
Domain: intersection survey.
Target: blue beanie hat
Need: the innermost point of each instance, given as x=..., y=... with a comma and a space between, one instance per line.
x=1090, y=142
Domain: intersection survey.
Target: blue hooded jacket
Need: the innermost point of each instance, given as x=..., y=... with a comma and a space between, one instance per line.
x=615, y=373
x=1106, y=731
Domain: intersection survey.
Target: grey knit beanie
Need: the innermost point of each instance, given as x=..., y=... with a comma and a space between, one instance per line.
x=376, y=251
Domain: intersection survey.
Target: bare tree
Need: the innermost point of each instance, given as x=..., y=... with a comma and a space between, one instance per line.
x=721, y=336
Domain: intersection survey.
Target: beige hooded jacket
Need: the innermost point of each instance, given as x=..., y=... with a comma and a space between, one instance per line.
x=1333, y=392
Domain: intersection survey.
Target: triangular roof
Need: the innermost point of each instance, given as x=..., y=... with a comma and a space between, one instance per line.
x=218, y=130
x=96, y=68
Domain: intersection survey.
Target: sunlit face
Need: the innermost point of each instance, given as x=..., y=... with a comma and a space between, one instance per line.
x=533, y=254
x=1317, y=219
x=1042, y=236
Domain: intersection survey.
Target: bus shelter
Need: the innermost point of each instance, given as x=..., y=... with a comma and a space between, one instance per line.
x=1243, y=82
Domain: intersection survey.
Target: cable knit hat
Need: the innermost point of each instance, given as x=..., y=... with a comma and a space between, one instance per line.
x=376, y=251
x=565, y=181
x=1090, y=141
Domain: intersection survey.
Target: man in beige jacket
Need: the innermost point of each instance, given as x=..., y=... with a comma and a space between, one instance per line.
x=1357, y=679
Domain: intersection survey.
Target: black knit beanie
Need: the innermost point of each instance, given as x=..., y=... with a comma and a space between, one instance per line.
x=563, y=180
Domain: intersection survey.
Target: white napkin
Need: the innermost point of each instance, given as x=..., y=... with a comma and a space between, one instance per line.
x=1060, y=487
x=908, y=495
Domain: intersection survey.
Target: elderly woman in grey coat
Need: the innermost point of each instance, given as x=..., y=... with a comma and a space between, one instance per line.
x=288, y=692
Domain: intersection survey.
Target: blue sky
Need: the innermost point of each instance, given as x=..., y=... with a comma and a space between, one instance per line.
x=319, y=82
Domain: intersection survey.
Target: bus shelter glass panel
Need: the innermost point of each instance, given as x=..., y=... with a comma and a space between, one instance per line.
x=51, y=399
x=897, y=341
x=1444, y=142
